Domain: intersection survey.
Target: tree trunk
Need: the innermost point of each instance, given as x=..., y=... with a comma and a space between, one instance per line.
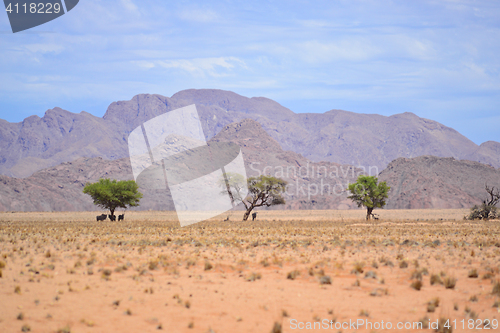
x=246, y=215
x=112, y=210
x=369, y=211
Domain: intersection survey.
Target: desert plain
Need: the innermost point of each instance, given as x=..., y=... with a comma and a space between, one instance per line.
x=319, y=270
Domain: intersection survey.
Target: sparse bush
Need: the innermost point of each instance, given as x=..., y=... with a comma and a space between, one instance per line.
x=425, y=322
x=65, y=329
x=483, y=212
x=444, y=326
x=417, y=284
x=435, y=279
x=153, y=265
x=416, y=275
x=449, y=282
x=496, y=288
x=364, y=313
x=325, y=280
x=277, y=328
x=358, y=268
x=487, y=210
x=293, y=275
x=432, y=304
x=208, y=266
x=403, y=264
x=254, y=276
x=472, y=273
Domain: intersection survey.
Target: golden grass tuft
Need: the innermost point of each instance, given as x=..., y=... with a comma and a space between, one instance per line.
x=496, y=288
x=449, y=282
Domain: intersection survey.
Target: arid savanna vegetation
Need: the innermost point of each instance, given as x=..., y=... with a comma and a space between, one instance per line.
x=65, y=272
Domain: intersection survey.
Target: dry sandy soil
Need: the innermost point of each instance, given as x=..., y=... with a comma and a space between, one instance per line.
x=65, y=272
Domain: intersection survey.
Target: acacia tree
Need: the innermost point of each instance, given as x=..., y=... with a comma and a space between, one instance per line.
x=369, y=193
x=262, y=191
x=111, y=194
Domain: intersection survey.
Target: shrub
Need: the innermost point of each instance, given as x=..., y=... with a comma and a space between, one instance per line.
x=496, y=288
x=472, y=273
x=254, y=276
x=483, y=212
x=444, y=326
x=208, y=266
x=358, y=268
x=277, y=328
x=325, y=280
x=417, y=284
x=435, y=279
x=292, y=275
x=449, y=282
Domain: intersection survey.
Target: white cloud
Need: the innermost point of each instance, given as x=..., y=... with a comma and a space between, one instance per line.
x=324, y=52
x=129, y=5
x=215, y=67
x=196, y=14
x=44, y=48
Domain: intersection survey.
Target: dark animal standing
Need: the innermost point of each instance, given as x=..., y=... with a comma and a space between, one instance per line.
x=112, y=217
x=254, y=216
x=121, y=217
x=101, y=217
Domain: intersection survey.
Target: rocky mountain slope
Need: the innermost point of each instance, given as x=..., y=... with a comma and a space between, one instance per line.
x=59, y=188
x=335, y=136
x=432, y=182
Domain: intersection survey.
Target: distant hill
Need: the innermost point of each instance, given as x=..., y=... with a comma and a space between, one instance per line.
x=335, y=136
x=59, y=188
x=432, y=182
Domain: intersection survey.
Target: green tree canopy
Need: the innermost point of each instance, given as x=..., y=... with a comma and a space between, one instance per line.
x=112, y=194
x=369, y=193
x=262, y=191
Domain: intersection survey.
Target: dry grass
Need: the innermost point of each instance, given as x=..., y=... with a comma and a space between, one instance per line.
x=68, y=261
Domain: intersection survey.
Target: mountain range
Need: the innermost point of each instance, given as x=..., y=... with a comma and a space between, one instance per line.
x=364, y=140
x=420, y=182
x=311, y=185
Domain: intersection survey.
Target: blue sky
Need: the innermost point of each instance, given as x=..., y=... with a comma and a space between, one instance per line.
x=437, y=59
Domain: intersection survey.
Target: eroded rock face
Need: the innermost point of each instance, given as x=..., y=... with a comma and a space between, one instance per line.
x=335, y=136
x=432, y=182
